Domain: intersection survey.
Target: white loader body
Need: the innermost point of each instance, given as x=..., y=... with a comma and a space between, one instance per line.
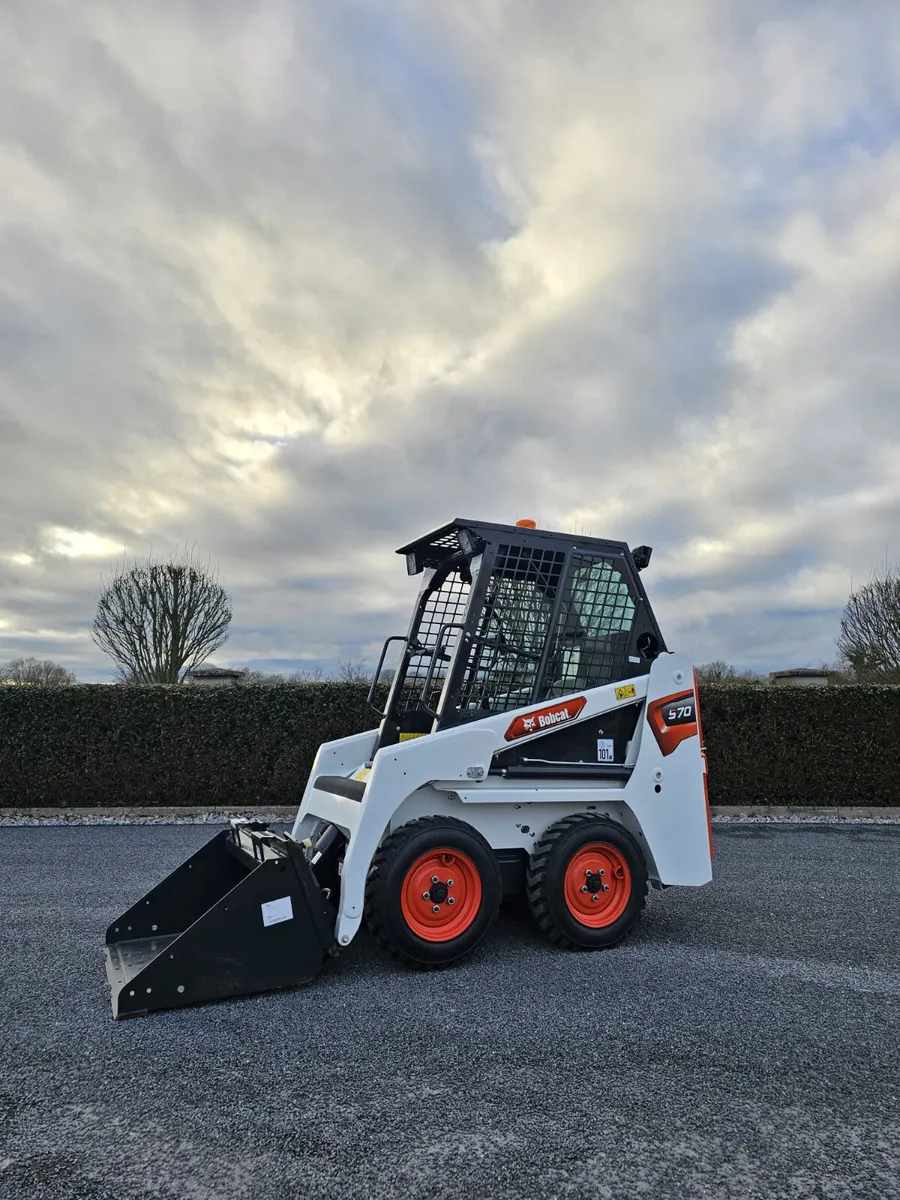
x=662, y=802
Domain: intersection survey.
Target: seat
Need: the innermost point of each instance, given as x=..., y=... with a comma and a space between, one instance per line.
x=338, y=785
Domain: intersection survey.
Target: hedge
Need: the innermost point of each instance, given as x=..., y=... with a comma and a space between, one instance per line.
x=217, y=747
x=230, y=747
x=826, y=746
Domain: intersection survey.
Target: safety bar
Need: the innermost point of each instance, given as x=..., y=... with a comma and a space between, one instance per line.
x=432, y=662
x=370, y=699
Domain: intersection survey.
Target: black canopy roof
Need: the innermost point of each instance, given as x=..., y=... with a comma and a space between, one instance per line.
x=460, y=538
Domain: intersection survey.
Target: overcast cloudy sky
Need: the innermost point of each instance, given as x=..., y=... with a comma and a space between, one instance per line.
x=297, y=281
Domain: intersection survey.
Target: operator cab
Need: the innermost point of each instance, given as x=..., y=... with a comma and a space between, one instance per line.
x=510, y=615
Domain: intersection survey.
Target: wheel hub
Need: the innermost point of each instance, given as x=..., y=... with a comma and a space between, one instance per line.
x=441, y=894
x=597, y=885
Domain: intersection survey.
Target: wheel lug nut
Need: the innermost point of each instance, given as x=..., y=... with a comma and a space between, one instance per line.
x=449, y=883
x=602, y=872
x=435, y=908
x=426, y=895
x=595, y=898
x=606, y=887
x=584, y=887
x=434, y=879
x=451, y=900
x=589, y=872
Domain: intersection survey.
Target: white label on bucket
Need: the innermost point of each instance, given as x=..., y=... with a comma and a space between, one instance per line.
x=277, y=910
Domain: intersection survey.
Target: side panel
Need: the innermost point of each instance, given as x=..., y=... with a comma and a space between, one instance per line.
x=513, y=820
x=664, y=800
x=335, y=758
x=397, y=772
x=669, y=780
x=604, y=739
x=183, y=896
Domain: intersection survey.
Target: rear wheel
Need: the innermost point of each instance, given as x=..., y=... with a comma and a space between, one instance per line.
x=433, y=891
x=586, y=882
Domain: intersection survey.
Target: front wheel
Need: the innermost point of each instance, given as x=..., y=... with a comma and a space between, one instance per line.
x=586, y=882
x=433, y=891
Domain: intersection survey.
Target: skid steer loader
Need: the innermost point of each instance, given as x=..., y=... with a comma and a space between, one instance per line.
x=537, y=738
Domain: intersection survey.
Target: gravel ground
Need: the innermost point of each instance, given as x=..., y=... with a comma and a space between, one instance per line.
x=745, y=1042
x=11, y=819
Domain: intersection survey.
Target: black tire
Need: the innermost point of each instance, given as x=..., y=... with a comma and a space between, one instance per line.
x=545, y=882
x=391, y=866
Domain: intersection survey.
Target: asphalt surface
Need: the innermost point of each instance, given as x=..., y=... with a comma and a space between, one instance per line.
x=745, y=1042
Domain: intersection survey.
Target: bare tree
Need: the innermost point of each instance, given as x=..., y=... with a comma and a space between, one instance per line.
x=354, y=671
x=869, y=641
x=43, y=672
x=314, y=674
x=260, y=679
x=156, y=621
x=717, y=671
x=839, y=672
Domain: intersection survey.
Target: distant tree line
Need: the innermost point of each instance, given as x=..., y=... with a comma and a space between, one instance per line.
x=352, y=671
x=719, y=671
x=35, y=671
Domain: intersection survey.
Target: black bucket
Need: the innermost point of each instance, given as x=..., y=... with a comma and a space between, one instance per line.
x=244, y=914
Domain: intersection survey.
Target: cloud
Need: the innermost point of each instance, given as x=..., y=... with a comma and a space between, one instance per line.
x=295, y=283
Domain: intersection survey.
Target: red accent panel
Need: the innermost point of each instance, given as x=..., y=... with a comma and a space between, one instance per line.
x=705, y=768
x=673, y=719
x=541, y=719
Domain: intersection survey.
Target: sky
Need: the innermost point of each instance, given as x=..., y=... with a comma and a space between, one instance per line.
x=293, y=283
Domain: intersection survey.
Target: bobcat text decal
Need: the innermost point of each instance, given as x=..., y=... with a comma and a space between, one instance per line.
x=673, y=719
x=545, y=718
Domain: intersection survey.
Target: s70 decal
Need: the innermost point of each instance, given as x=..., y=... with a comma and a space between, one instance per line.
x=673, y=719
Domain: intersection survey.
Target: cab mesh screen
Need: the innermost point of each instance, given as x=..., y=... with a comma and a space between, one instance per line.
x=513, y=628
x=590, y=644
x=444, y=606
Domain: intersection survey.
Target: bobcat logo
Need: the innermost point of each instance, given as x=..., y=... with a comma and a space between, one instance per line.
x=545, y=718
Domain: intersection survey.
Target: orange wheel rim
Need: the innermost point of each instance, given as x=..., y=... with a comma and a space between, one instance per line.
x=441, y=895
x=597, y=885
